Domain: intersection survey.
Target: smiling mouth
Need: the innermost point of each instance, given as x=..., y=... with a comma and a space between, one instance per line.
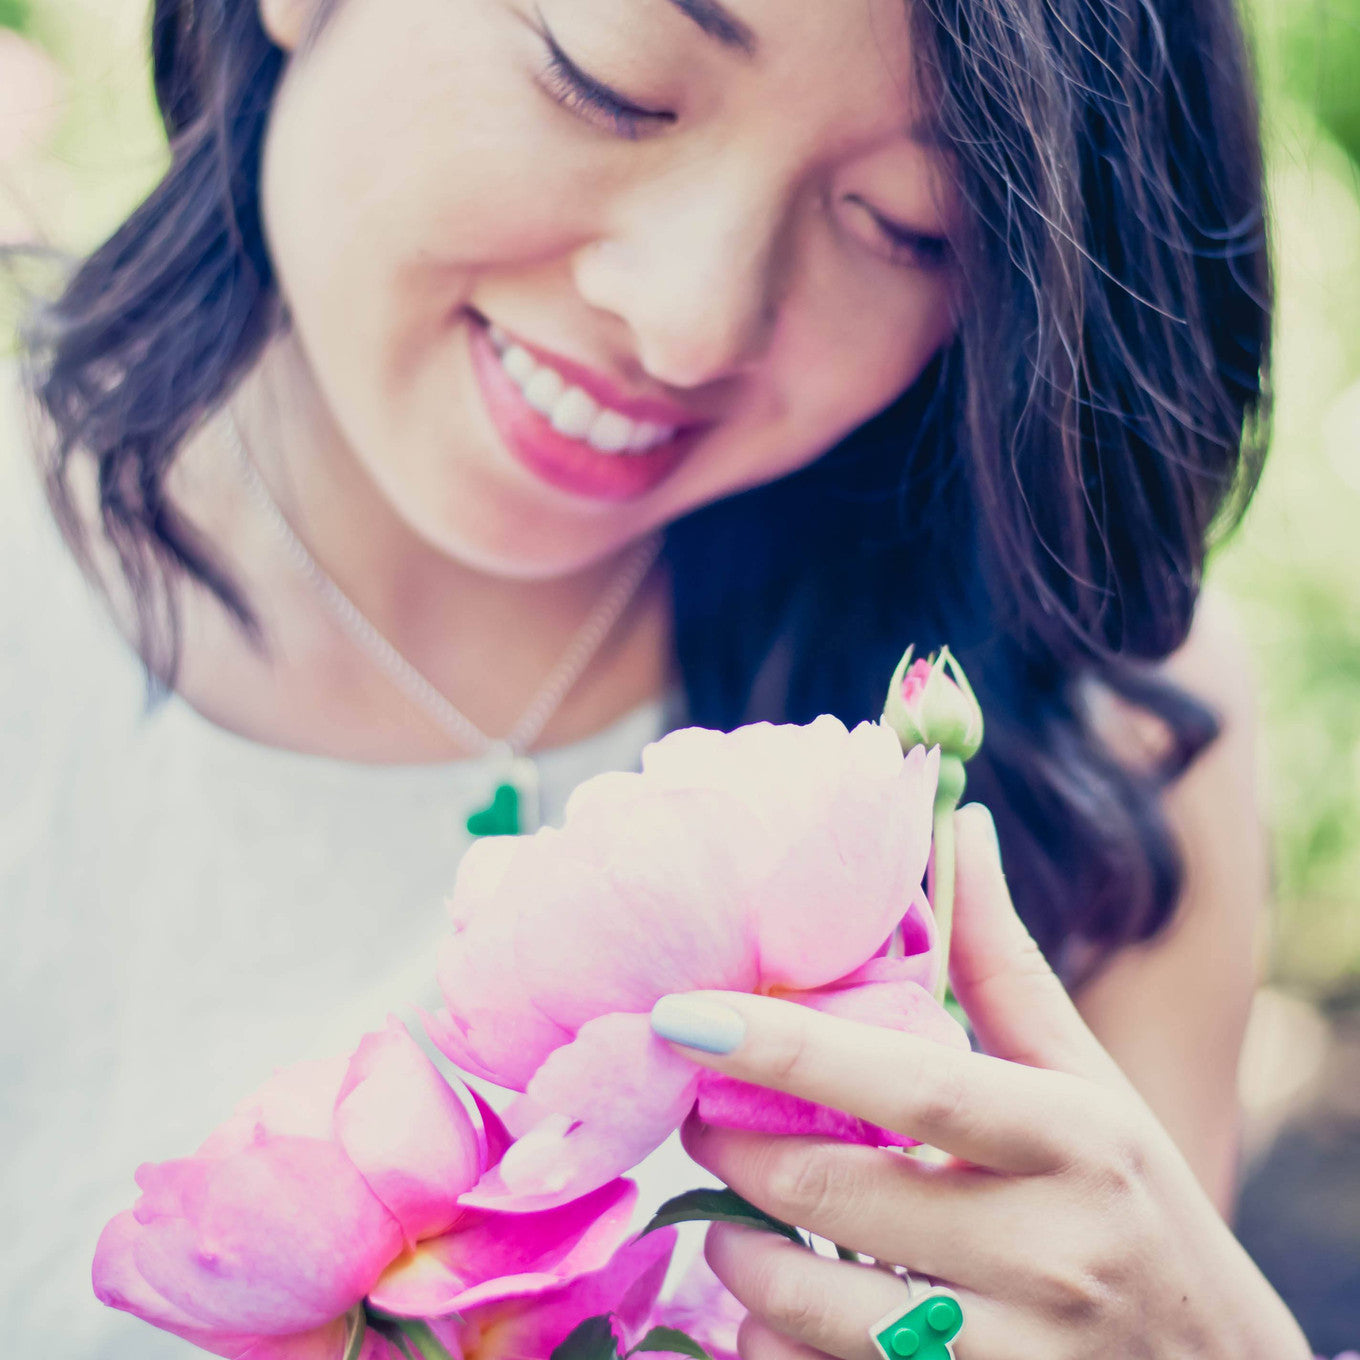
x=576, y=440
x=572, y=411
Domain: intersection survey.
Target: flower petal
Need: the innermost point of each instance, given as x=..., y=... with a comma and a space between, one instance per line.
x=894, y=1002
x=595, y=1109
x=732, y=1104
x=627, y=1288
x=851, y=872
x=891, y=999
x=119, y=1284
x=324, y=1343
x=636, y=897
x=408, y=1133
x=296, y=1102
x=494, y=1256
x=703, y=1308
x=282, y=1237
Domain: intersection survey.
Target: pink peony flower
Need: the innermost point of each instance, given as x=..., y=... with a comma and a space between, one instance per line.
x=782, y=860
x=531, y=1327
x=340, y=1181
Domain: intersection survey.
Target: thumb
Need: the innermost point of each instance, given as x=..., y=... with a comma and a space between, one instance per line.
x=1019, y=1009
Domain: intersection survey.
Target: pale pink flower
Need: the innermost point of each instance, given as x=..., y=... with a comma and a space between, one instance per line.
x=340, y=1181
x=781, y=860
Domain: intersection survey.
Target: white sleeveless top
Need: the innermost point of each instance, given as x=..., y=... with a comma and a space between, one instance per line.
x=183, y=912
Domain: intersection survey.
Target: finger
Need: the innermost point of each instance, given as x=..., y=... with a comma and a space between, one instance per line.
x=948, y=1221
x=827, y=1307
x=756, y=1340
x=822, y=1304
x=1018, y=1007
x=984, y=1110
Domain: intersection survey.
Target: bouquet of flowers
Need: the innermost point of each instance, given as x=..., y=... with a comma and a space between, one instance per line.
x=370, y=1208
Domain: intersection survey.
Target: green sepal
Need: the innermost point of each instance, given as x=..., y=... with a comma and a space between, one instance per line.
x=421, y=1335
x=594, y=1339
x=358, y=1331
x=719, y=1206
x=407, y=1333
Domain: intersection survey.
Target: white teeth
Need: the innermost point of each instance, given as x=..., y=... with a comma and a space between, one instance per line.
x=544, y=390
x=611, y=432
x=519, y=364
x=574, y=413
x=649, y=435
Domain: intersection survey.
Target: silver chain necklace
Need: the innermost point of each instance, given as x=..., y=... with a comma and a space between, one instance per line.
x=514, y=808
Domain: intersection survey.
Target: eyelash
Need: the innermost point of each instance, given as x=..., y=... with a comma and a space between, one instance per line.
x=914, y=248
x=584, y=95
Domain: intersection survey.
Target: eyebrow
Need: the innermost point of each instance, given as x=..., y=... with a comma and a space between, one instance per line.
x=719, y=22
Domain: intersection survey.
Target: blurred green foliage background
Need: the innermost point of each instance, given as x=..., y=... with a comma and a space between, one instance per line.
x=1293, y=568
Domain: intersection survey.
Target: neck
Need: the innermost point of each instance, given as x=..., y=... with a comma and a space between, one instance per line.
x=486, y=642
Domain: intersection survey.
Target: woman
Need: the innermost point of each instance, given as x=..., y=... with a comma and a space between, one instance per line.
x=941, y=322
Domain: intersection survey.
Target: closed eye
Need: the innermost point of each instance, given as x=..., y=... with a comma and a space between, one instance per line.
x=592, y=99
x=906, y=246
x=916, y=248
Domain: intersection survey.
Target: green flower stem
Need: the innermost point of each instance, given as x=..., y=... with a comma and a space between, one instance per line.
x=944, y=860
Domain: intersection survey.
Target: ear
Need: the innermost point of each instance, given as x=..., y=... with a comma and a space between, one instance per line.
x=286, y=21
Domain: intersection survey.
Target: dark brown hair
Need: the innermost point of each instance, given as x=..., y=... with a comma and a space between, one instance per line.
x=1041, y=499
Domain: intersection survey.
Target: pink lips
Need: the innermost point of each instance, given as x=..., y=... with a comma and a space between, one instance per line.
x=569, y=464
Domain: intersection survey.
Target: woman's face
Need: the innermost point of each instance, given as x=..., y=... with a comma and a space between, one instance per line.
x=565, y=270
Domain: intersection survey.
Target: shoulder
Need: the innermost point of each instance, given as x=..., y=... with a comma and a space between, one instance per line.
x=1198, y=975
x=1214, y=807
x=1215, y=665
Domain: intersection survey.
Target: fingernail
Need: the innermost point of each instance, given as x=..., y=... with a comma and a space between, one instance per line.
x=708, y=1026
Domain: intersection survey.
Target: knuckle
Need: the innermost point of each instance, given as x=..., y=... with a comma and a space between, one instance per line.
x=793, y=1307
x=943, y=1097
x=786, y=1051
x=1119, y=1159
x=1081, y=1293
x=806, y=1183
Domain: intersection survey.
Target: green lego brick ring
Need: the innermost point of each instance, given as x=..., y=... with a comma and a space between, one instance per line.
x=926, y=1331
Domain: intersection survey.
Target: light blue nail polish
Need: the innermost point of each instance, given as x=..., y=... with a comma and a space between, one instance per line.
x=698, y=1023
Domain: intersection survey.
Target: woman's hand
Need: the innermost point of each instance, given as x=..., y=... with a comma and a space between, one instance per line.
x=1065, y=1219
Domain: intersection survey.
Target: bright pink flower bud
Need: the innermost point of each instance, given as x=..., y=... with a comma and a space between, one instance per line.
x=930, y=703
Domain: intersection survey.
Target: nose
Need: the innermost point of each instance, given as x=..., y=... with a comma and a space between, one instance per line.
x=694, y=272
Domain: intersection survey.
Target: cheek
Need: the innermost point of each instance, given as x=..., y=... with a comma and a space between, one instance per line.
x=405, y=155
x=843, y=361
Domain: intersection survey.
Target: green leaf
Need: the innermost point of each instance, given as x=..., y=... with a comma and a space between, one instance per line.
x=719, y=1206
x=673, y=1341
x=358, y=1324
x=594, y=1339
x=14, y=14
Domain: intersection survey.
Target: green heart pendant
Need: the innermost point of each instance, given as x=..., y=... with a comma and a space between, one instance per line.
x=501, y=818
x=513, y=810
